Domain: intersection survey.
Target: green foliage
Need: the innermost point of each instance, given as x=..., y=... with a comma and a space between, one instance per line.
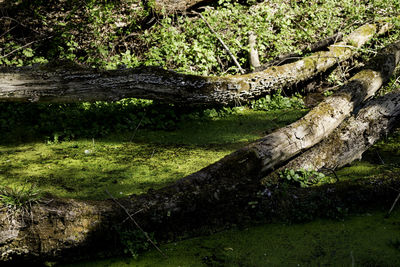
x=135, y=241
x=67, y=121
x=328, y=93
x=14, y=198
x=278, y=101
x=303, y=177
x=112, y=34
x=93, y=32
x=280, y=27
x=58, y=122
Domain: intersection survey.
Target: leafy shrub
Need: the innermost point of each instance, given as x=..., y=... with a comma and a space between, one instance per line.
x=303, y=177
x=277, y=101
x=134, y=241
x=109, y=34
x=57, y=122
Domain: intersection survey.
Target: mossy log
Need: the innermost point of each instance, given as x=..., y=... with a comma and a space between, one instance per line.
x=284, y=143
x=354, y=136
x=359, y=132
x=215, y=195
x=168, y=7
x=60, y=83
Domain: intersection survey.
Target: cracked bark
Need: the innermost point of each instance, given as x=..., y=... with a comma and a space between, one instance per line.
x=72, y=84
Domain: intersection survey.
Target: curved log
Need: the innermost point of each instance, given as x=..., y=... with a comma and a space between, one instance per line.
x=216, y=194
x=352, y=138
x=55, y=84
x=168, y=7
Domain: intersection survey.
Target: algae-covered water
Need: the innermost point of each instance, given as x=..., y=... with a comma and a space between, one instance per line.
x=360, y=240
x=132, y=162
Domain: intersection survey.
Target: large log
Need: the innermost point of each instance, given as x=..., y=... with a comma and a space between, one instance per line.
x=218, y=193
x=67, y=84
x=354, y=136
x=167, y=7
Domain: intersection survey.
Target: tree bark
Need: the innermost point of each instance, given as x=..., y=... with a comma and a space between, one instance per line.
x=349, y=141
x=215, y=195
x=62, y=84
x=168, y=7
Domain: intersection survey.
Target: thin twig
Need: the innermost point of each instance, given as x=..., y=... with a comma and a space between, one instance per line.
x=23, y=25
x=136, y=224
x=394, y=189
x=137, y=127
x=352, y=259
x=333, y=171
x=136, y=212
x=3, y=34
x=22, y=47
x=383, y=163
x=393, y=205
x=222, y=42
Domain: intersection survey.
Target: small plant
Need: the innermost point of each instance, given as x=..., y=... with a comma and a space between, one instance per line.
x=134, y=241
x=303, y=177
x=14, y=199
x=278, y=101
x=328, y=93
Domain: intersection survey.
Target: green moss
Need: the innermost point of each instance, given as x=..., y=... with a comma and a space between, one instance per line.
x=83, y=169
x=364, y=75
x=362, y=33
x=368, y=239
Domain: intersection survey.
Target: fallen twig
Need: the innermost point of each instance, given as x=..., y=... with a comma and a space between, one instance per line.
x=136, y=224
x=333, y=171
x=137, y=127
x=22, y=47
x=393, y=205
x=379, y=156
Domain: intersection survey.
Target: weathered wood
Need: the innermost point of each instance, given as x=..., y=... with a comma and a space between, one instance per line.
x=66, y=84
x=286, y=142
x=353, y=137
x=218, y=193
x=253, y=52
x=168, y=7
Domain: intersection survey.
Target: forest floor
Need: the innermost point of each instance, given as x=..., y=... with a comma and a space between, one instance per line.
x=50, y=147
x=133, y=162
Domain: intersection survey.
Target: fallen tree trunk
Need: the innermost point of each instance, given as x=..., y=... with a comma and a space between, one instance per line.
x=352, y=138
x=55, y=84
x=168, y=7
x=215, y=195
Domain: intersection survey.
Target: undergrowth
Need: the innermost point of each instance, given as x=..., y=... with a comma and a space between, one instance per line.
x=303, y=177
x=62, y=122
x=112, y=34
x=19, y=198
